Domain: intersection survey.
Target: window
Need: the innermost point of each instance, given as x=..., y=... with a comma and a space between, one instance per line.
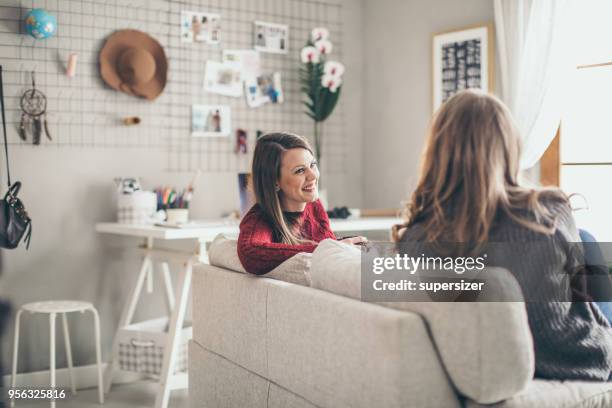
x=586, y=150
x=586, y=129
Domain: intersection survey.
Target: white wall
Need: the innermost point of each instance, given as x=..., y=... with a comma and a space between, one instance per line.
x=68, y=189
x=397, y=87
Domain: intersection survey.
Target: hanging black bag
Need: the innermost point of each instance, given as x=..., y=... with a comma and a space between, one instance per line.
x=14, y=219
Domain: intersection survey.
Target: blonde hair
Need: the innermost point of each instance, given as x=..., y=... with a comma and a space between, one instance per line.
x=469, y=173
x=267, y=160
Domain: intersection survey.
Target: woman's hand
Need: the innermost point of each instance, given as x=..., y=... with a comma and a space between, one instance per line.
x=358, y=240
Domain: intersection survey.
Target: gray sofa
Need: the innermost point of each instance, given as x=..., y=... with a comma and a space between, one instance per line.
x=262, y=342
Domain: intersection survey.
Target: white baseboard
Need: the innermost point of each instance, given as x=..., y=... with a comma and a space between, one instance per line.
x=84, y=377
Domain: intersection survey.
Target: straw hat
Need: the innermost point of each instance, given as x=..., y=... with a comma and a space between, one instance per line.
x=135, y=63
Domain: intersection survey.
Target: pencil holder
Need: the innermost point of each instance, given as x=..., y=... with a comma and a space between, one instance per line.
x=177, y=215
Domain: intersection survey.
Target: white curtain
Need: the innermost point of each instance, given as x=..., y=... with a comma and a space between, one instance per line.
x=535, y=65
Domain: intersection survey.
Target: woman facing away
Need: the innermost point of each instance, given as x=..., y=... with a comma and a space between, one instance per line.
x=469, y=192
x=288, y=217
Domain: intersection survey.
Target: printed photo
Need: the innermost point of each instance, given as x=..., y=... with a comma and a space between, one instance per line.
x=263, y=89
x=248, y=61
x=270, y=37
x=200, y=27
x=223, y=79
x=210, y=120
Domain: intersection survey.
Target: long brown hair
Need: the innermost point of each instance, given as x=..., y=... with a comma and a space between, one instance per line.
x=469, y=174
x=266, y=170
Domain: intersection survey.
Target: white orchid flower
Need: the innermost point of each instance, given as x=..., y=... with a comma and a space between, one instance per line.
x=324, y=47
x=331, y=82
x=333, y=68
x=310, y=54
x=319, y=33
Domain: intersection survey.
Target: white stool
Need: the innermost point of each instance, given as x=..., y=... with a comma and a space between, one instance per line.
x=53, y=308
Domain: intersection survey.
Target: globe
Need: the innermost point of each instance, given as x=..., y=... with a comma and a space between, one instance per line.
x=40, y=24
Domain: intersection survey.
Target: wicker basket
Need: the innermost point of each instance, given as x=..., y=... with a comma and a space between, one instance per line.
x=141, y=346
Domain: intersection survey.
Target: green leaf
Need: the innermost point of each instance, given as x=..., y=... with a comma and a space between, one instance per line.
x=310, y=106
x=328, y=103
x=310, y=115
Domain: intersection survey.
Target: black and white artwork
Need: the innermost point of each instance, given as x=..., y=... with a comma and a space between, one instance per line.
x=460, y=62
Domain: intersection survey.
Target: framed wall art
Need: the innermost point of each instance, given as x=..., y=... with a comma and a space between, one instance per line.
x=462, y=59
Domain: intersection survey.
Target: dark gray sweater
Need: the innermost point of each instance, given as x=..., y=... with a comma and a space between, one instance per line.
x=572, y=340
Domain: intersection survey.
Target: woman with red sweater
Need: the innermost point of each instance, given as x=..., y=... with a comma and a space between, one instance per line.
x=288, y=217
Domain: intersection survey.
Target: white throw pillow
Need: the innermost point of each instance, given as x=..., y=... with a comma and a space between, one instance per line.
x=336, y=268
x=486, y=347
x=223, y=252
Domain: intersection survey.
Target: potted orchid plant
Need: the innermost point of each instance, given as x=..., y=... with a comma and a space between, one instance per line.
x=321, y=82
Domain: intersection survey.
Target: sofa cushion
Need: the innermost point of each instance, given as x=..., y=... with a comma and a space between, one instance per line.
x=557, y=394
x=486, y=347
x=223, y=252
x=337, y=268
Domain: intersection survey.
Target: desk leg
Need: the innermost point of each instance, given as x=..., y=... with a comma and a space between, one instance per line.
x=174, y=337
x=126, y=318
x=150, y=271
x=168, y=288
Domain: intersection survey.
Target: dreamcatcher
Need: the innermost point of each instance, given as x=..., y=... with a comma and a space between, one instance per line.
x=33, y=114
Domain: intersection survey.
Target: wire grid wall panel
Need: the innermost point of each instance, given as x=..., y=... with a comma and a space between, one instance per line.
x=84, y=112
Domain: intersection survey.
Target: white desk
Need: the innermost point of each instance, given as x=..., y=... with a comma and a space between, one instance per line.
x=208, y=230
x=176, y=301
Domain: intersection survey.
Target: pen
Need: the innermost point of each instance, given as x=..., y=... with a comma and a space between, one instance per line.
x=166, y=196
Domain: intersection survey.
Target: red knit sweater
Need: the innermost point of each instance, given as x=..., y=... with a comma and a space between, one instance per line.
x=257, y=250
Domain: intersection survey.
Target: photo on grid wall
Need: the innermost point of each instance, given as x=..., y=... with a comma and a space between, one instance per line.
x=210, y=121
x=247, y=61
x=200, y=27
x=462, y=59
x=262, y=89
x=223, y=78
x=270, y=37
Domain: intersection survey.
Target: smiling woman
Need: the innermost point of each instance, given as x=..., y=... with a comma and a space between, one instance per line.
x=297, y=184
x=288, y=217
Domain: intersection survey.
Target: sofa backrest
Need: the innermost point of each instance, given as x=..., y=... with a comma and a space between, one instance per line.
x=330, y=350
x=486, y=347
